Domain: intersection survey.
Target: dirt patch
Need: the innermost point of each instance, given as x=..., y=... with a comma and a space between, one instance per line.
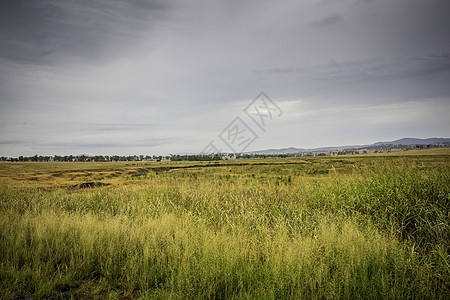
x=168, y=168
x=90, y=184
x=113, y=175
x=138, y=171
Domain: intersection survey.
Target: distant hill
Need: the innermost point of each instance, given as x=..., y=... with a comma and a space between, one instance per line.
x=415, y=141
x=403, y=141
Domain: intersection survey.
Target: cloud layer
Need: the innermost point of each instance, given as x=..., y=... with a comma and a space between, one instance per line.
x=159, y=77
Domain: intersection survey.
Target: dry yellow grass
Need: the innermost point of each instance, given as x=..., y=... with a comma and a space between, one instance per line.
x=415, y=152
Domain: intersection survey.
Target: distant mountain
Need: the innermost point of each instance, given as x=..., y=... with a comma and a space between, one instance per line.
x=414, y=141
x=279, y=151
x=291, y=150
x=403, y=141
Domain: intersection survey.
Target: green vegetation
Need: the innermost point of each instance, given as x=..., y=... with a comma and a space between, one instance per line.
x=319, y=227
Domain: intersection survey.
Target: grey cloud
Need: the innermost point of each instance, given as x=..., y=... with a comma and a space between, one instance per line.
x=327, y=21
x=121, y=127
x=364, y=82
x=15, y=142
x=58, y=145
x=112, y=145
x=378, y=69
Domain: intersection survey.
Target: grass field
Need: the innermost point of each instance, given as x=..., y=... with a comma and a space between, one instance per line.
x=317, y=227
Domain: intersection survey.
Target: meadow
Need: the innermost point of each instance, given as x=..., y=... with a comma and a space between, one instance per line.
x=298, y=228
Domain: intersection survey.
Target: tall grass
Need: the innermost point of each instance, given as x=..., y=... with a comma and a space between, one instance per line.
x=351, y=228
x=175, y=256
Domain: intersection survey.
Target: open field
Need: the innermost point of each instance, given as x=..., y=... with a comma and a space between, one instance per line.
x=416, y=152
x=317, y=227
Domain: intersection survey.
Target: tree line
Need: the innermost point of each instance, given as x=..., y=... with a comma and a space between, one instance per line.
x=81, y=158
x=116, y=158
x=213, y=157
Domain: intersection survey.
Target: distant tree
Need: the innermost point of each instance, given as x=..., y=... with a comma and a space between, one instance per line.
x=99, y=158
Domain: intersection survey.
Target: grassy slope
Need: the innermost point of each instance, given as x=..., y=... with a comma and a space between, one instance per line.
x=325, y=227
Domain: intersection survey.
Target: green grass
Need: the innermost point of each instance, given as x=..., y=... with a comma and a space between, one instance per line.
x=353, y=227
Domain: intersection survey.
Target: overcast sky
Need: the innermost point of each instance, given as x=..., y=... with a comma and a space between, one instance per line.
x=161, y=77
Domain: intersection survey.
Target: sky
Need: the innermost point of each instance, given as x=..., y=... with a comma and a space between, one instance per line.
x=163, y=77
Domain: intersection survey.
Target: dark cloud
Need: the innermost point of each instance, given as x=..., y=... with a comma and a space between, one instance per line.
x=46, y=31
x=387, y=78
x=373, y=69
